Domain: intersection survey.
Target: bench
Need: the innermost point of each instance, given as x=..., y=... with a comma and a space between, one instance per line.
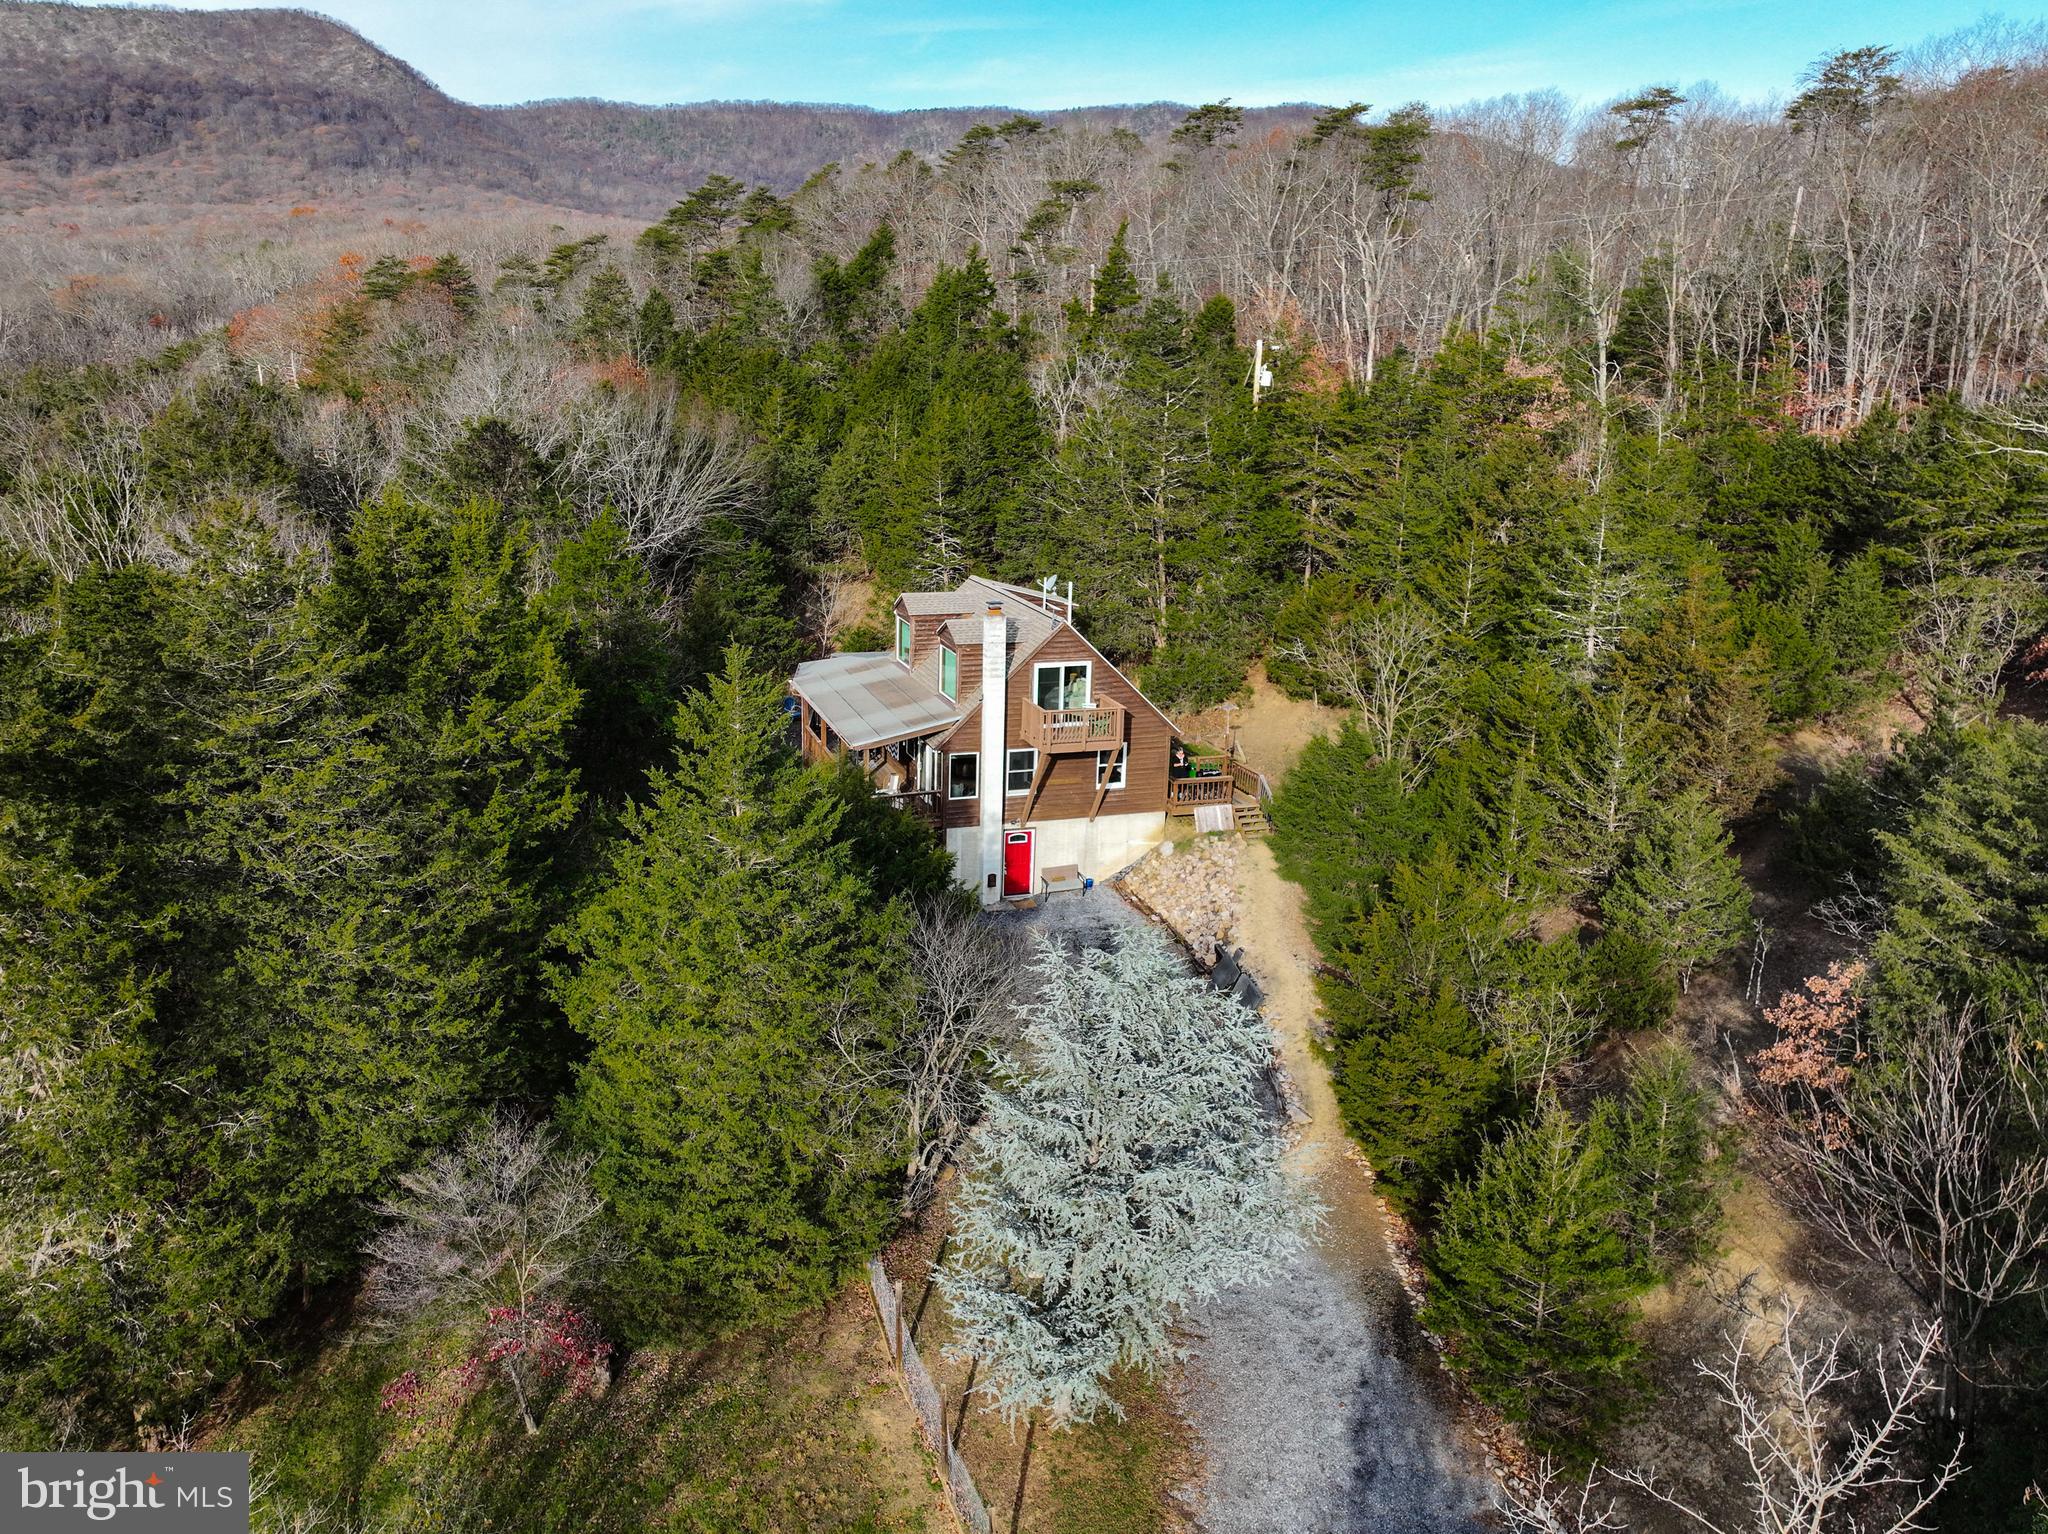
x=1061, y=877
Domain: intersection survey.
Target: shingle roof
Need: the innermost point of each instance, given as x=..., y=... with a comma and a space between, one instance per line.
x=1027, y=627
x=871, y=700
x=932, y=604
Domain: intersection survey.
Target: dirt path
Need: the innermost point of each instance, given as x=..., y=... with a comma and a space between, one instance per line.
x=1318, y=1405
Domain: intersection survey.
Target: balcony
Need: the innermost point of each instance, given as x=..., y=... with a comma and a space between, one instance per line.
x=1098, y=728
x=926, y=804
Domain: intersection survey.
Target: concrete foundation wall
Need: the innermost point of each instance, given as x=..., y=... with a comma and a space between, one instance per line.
x=1099, y=847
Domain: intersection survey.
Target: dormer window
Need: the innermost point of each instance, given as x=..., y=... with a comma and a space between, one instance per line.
x=949, y=673
x=903, y=639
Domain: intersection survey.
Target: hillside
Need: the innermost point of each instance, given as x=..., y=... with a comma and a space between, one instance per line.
x=103, y=104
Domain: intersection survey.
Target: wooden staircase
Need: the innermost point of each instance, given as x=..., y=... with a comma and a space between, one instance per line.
x=1251, y=818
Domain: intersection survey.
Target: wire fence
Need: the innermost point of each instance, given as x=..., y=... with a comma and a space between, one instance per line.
x=924, y=1395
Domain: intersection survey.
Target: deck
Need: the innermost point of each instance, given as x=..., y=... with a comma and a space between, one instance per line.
x=1097, y=728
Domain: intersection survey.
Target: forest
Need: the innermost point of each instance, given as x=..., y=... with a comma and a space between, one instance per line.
x=402, y=860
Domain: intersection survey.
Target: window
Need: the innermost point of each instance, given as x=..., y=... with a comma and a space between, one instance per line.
x=963, y=780
x=949, y=673
x=1023, y=764
x=903, y=639
x=1061, y=683
x=1110, y=763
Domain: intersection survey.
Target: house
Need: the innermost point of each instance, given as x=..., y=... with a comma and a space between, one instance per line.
x=994, y=719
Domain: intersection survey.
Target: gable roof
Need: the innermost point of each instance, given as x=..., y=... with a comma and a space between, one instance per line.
x=871, y=699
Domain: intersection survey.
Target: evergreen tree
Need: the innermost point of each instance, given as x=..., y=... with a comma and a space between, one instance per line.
x=1532, y=1277
x=1341, y=821
x=95, y=1335
x=343, y=988
x=1693, y=669
x=1124, y=1169
x=732, y=962
x=1965, y=873
x=654, y=327
x=1417, y=1081
x=1115, y=288
x=605, y=322
x=1681, y=888
x=1663, y=1141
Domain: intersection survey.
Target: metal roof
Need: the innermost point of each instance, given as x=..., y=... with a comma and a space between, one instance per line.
x=869, y=699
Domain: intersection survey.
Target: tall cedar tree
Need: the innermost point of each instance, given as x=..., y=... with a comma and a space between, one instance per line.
x=1681, y=888
x=733, y=957
x=1416, y=1076
x=1533, y=1273
x=94, y=1336
x=344, y=991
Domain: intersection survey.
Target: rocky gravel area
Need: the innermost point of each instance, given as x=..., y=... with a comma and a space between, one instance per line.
x=1193, y=887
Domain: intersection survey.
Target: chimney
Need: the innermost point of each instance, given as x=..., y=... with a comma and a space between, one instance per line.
x=995, y=704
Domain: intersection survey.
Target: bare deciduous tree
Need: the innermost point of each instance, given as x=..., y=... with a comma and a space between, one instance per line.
x=1810, y=1470
x=1924, y=1174
x=1388, y=663
x=500, y=1229
x=1969, y=628
x=969, y=981
x=85, y=503
x=666, y=468
x=1547, y=1501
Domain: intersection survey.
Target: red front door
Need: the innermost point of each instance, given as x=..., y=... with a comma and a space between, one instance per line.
x=1016, y=862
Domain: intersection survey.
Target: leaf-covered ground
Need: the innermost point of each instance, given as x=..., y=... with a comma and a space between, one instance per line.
x=797, y=1429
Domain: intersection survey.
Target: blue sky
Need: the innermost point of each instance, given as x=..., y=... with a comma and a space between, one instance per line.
x=1013, y=52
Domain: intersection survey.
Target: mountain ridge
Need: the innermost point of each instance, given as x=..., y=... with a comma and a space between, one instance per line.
x=151, y=104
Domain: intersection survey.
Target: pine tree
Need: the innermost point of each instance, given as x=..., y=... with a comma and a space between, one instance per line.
x=724, y=973
x=1681, y=888
x=604, y=323
x=1125, y=1168
x=1532, y=1277
x=1663, y=1143
x=1341, y=821
x=1115, y=289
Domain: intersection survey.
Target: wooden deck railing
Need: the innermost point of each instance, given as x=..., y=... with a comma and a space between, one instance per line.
x=1215, y=790
x=926, y=804
x=1073, y=729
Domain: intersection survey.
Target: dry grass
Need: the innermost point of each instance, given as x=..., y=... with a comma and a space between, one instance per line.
x=796, y=1429
x=1107, y=1477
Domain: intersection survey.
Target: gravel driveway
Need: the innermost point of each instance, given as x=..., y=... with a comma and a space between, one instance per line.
x=1318, y=1406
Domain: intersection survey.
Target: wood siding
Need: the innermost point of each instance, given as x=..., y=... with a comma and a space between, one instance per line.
x=1068, y=792
x=924, y=635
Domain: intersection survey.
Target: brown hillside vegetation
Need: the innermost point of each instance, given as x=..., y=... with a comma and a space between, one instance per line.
x=153, y=105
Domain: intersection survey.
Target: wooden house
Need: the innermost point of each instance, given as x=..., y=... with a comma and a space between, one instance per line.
x=1068, y=773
